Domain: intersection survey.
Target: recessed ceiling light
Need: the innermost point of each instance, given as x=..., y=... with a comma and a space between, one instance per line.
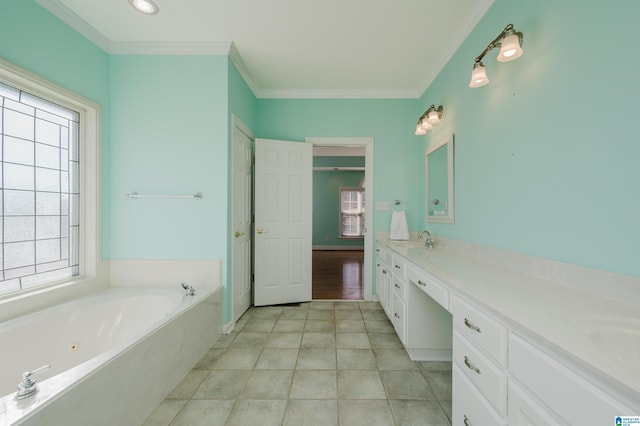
x=148, y=7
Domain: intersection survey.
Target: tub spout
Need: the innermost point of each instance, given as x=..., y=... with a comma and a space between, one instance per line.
x=189, y=290
x=28, y=387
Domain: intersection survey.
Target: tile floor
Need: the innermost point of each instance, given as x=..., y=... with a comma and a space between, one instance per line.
x=319, y=363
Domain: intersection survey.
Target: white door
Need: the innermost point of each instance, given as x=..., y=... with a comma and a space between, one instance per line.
x=241, y=214
x=283, y=214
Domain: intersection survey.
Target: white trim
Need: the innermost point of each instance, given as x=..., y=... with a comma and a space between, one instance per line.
x=340, y=94
x=170, y=48
x=369, y=237
x=90, y=170
x=69, y=17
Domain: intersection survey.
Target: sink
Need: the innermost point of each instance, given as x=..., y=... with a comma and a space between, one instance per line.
x=419, y=252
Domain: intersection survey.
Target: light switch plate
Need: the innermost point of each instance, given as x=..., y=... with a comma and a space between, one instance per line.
x=382, y=205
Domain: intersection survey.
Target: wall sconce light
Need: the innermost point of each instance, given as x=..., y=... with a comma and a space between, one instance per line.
x=510, y=43
x=426, y=121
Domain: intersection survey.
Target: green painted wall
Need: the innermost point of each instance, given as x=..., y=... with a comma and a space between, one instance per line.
x=35, y=40
x=398, y=169
x=169, y=136
x=326, y=206
x=546, y=155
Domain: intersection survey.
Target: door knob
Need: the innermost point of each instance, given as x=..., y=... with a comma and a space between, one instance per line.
x=260, y=231
x=239, y=234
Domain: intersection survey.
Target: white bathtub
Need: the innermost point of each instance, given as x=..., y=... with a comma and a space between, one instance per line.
x=114, y=355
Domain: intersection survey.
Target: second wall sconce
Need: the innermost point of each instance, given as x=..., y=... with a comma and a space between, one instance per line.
x=430, y=117
x=510, y=43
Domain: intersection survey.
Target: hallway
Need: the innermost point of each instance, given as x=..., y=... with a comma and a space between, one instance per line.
x=337, y=274
x=317, y=363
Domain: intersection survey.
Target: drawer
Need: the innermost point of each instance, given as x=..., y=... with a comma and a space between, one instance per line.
x=398, y=317
x=399, y=266
x=399, y=287
x=487, y=333
x=565, y=391
x=384, y=256
x=489, y=379
x=470, y=408
x=429, y=285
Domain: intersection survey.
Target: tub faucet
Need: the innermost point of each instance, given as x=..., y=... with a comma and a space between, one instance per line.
x=189, y=290
x=28, y=387
x=428, y=242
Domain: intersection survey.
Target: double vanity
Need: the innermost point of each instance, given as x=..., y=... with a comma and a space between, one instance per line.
x=539, y=347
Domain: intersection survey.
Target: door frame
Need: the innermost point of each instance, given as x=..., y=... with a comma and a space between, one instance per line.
x=367, y=143
x=237, y=123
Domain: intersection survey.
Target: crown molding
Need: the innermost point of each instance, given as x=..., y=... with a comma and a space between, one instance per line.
x=170, y=48
x=455, y=41
x=69, y=17
x=340, y=94
x=235, y=57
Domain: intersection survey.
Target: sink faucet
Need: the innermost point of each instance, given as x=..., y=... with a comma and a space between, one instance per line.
x=189, y=290
x=428, y=242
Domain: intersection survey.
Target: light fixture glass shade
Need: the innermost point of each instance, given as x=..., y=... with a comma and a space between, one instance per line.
x=478, y=76
x=420, y=130
x=148, y=7
x=510, y=48
x=433, y=117
x=426, y=125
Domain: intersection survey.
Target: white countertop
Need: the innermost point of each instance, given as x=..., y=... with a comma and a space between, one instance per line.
x=565, y=318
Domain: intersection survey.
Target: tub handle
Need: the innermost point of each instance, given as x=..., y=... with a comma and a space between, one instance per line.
x=28, y=387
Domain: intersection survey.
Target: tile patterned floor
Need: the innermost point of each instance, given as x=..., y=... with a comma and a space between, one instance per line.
x=319, y=363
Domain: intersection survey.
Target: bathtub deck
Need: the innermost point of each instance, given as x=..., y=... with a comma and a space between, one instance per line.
x=335, y=362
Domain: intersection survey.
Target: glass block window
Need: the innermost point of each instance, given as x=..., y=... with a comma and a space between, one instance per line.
x=40, y=191
x=352, y=212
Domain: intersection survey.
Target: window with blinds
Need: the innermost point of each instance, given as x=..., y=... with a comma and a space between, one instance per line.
x=352, y=208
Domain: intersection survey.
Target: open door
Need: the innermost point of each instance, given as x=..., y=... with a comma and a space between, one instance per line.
x=283, y=222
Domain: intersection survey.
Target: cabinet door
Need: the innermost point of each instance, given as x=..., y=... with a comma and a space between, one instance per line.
x=398, y=318
x=524, y=411
x=382, y=284
x=470, y=408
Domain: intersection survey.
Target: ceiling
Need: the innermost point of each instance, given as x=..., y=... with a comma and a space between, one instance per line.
x=293, y=48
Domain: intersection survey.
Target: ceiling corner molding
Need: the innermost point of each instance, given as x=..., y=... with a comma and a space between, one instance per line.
x=456, y=40
x=237, y=60
x=340, y=94
x=70, y=18
x=170, y=48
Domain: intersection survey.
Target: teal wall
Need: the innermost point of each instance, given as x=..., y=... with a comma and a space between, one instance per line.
x=546, y=155
x=35, y=40
x=169, y=136
x=398, y=169
x=326, y=206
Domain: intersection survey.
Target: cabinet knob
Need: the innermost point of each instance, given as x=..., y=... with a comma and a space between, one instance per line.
x=466, y=421
x=397, y=267
x=396, y=285
x=421, y=283
x=396, y=315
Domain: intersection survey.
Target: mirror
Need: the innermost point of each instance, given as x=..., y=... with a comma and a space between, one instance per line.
x=439, y=167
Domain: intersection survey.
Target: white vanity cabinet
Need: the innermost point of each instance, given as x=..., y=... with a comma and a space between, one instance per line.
x=480, y=360
x=544, y=390
x=399, y=297
x=383, y=279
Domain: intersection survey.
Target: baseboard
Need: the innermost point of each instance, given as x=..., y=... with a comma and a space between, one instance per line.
x=228, y=327
x=430, y=354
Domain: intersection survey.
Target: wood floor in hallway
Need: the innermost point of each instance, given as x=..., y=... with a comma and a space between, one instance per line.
x=337, y=274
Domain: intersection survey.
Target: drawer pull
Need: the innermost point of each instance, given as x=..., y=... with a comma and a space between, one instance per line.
x=384, y=271
x=421, y=283
x=396, y=285
x=471, y=366
x=466, y=421
x=396, y=315
x=470, y=325
x=397, y=267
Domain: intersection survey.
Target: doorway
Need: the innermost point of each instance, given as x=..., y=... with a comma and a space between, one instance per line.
x=343, y=271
